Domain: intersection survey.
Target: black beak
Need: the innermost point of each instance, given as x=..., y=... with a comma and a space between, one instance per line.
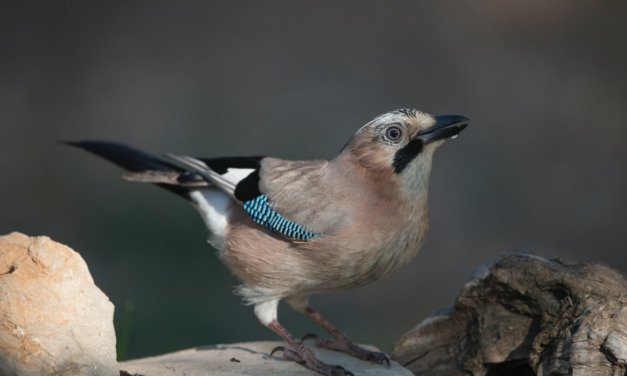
x=446, y=126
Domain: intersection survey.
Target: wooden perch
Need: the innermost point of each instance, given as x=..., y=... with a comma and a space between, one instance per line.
x=526, y=315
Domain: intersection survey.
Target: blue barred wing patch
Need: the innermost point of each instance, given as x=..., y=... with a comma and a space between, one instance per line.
x=261, y=212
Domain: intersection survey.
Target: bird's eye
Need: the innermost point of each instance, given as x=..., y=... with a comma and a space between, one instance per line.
x=393, y=133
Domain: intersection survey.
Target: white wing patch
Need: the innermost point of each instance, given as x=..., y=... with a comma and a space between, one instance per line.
x=235, y=175
x=214, y=207
x=226, y=182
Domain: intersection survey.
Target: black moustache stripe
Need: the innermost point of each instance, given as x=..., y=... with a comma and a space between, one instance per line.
x=407, y=154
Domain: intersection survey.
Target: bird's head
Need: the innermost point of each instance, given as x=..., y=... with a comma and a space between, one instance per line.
x=402, y=142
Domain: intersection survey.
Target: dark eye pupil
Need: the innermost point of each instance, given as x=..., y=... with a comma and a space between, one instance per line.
x=394, y=133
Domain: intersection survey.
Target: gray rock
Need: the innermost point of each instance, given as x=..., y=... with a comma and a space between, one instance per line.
x=249, y=359
x=53, y=318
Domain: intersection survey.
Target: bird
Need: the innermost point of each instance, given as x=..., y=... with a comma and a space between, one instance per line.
x=290, y=229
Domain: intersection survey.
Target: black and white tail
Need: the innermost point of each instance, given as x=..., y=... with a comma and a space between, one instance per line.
x=143, y=167
x=210, y=186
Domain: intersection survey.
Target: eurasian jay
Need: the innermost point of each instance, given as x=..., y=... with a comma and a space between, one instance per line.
x=292, y=229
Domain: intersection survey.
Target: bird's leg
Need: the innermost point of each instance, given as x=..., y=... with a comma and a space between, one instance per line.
x=340, y=341
x=301, y=354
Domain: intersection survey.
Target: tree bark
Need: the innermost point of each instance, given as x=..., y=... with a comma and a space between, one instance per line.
x=526, y=315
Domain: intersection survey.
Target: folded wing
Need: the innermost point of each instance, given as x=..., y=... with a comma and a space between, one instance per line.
x=287, y=197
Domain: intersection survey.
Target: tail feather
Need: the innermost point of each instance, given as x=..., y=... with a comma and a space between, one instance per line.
x=136, y=161
x=126, y=157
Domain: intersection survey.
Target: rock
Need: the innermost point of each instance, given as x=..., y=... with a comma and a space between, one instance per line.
x=249, y=359
x=526, y=315
x=53, y=318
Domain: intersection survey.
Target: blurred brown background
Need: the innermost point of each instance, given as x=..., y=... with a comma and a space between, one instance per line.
x=542, y=166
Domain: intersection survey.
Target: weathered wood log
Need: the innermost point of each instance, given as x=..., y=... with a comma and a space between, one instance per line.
x=526, y=315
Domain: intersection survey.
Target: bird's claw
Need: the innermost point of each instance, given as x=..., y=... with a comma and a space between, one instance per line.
x=311, y=362
x=333, y=370
x=276, y=349
x=378, y=357
x=345, y=345
x=288, y=354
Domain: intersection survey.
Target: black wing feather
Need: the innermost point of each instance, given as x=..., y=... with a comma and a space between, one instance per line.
x=247, y=188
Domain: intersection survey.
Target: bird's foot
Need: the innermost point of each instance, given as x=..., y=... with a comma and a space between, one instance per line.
x=306, y=357
x=344, y=344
